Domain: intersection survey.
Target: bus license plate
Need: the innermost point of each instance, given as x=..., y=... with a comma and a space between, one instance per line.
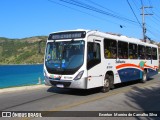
x=60, y=85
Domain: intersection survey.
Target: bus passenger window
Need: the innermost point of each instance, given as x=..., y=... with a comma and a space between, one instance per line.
x=110, y=49
x=132, y=51
x=154, y=53
x=93, y=54
x=122, y=50
x=141, y=52
x=148, y=53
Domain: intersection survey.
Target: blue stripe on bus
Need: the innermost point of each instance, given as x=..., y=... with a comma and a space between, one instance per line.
x=129, y=74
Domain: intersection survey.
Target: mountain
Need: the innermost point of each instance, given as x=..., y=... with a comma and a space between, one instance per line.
x=22, y=51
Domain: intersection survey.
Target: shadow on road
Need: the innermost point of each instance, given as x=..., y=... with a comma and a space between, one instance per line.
x=77, y=92
x=144, y=99
x=81, y=92
x=139, y=99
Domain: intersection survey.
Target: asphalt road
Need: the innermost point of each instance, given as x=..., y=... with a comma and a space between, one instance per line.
x=133, y=96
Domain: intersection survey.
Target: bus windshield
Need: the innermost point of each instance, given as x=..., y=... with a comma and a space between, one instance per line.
x=64, y=57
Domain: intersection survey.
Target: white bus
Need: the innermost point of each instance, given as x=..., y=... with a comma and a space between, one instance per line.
x=84, y=59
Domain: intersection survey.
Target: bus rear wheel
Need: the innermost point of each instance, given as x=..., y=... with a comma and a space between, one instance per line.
x=107, y=84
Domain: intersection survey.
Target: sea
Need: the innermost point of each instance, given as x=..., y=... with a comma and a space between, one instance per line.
x=21, y=75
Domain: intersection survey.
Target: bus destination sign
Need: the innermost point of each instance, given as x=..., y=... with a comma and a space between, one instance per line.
x=67, y=35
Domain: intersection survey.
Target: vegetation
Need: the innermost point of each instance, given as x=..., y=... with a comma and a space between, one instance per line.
x=22, y=51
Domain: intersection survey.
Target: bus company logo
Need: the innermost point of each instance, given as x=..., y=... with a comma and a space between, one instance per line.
x=6, y=114
x=120, y=61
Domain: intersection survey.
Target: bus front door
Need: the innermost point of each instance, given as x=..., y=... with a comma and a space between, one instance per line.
x=94, y=65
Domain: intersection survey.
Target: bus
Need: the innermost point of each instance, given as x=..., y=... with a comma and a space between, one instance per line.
x=85, y=59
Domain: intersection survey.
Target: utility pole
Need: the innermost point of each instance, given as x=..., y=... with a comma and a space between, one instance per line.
x=143, y=21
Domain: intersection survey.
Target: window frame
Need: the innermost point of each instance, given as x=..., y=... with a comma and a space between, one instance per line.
x=148, y=52
x=110, y=50
x=93, y=62
x=122, y=56
x=134, y=54
x=154, y=57
x=142, y=46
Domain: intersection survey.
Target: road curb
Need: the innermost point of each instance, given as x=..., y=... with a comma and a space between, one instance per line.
x=22, y=88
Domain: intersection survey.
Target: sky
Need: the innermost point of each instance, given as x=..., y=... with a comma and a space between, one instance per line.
x=27, y=18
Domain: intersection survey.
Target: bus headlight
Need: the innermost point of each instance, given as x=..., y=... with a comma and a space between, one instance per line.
x=79, y=75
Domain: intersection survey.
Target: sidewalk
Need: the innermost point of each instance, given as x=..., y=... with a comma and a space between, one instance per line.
x=4, y=90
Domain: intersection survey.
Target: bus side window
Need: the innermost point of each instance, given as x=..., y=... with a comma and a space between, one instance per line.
x=122, y=50
x=110, y=49
x=154, y=53
x=132, y=51
x=148, y=53
x=141, y=52
x=93, y=54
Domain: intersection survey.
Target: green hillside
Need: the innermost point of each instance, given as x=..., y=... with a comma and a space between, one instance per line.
x=22, y=51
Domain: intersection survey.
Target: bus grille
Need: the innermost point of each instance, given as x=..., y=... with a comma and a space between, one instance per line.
x=66, y=84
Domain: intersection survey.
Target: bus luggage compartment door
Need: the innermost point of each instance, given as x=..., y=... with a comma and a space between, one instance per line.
x=95, y=78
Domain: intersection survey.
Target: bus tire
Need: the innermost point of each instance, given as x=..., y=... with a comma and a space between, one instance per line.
x=144, y=77
x=107, y=84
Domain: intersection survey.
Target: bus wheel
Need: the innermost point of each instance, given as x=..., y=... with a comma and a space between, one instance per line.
x=144, y=77
x=107, y=83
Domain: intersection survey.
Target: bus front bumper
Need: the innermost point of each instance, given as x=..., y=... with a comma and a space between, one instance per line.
x=76, y=84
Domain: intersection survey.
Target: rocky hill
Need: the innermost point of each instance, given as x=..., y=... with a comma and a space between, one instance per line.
x=22, y=51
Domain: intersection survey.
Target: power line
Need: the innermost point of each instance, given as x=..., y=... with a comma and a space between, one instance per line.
x=153, y=33
x=150, y=31
x=144, y=29
x=89, y=7
x=155, y=29
x=154, y=18
x=83, y=12
x=94, y=3
x=157, y=17
x=138, y=2
x=135, y=5
x=131, y=9
x=133, y=13
x=99, y=5
x=141, y=3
